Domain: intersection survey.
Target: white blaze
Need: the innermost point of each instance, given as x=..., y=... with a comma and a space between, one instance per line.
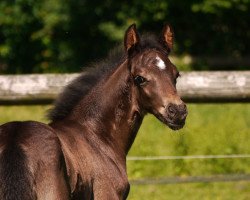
x=160, y=63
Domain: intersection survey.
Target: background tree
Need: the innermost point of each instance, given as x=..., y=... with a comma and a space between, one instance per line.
x=64, y=35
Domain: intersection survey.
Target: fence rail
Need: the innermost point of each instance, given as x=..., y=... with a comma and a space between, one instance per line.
x=220, y=86
x=191, y=179
x=191, y=157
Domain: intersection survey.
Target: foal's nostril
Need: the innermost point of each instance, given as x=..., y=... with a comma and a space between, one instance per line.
x=171, y=110
x=177, y=112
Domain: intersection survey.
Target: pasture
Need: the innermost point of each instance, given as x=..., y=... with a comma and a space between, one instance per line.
x=211, y=129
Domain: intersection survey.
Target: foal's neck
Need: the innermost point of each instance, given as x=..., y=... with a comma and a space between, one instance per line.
x=111, y=109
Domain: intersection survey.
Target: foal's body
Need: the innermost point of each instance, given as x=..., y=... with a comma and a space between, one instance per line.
x=81, y=154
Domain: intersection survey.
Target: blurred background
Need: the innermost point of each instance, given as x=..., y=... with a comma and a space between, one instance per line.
x=59, y=36
x=63, y=35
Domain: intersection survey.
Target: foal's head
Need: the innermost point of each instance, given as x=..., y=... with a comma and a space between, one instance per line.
x=155, y=76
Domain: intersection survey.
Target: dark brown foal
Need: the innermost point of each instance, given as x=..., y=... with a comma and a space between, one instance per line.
x=82, y=153
x=98, y=132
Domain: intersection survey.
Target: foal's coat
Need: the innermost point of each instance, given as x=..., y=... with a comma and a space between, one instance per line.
x=81, y=154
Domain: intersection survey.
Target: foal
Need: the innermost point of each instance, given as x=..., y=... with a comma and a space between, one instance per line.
x=98, y=131
x=81, y=154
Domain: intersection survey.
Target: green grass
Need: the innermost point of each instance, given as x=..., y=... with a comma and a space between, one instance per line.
x=192, y=191
x=22, y=113
x=210, y=129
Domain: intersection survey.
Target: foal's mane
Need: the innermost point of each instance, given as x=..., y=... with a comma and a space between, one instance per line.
x=80, y=87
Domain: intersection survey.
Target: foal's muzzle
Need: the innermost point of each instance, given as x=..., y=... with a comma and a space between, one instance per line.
x=176, y=115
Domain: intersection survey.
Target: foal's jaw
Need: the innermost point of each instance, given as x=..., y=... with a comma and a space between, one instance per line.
x=173, y=125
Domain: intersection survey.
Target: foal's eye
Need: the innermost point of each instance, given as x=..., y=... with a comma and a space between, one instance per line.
x=139, y=80
x=177, y=76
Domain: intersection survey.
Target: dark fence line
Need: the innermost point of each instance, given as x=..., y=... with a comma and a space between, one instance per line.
x=219, y=86
x=189, y=157
x=191, y=179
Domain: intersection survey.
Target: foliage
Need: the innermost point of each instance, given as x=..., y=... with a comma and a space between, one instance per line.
x=63, y=35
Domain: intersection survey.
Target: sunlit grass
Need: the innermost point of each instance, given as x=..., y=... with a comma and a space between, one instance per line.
x=211, y=129
x=192, y=191
x=22, y=113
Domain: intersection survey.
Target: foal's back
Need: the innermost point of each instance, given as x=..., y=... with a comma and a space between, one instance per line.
x=31, y=162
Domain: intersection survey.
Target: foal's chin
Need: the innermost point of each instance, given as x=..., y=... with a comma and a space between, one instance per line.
x=175, y=127
x=171, y=124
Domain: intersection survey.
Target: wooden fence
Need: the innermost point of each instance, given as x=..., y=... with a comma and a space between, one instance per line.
x=220, y=86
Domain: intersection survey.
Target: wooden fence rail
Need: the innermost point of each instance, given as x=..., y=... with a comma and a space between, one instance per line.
x=220, y=86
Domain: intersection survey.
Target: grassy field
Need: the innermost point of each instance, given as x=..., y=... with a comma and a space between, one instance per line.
x=210, y=129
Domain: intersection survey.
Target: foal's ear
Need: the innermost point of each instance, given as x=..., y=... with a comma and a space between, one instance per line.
x=131, y=37
x=167, y=37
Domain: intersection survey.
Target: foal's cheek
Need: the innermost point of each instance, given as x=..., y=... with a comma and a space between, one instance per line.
x=149, y=98
x=145, y=91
